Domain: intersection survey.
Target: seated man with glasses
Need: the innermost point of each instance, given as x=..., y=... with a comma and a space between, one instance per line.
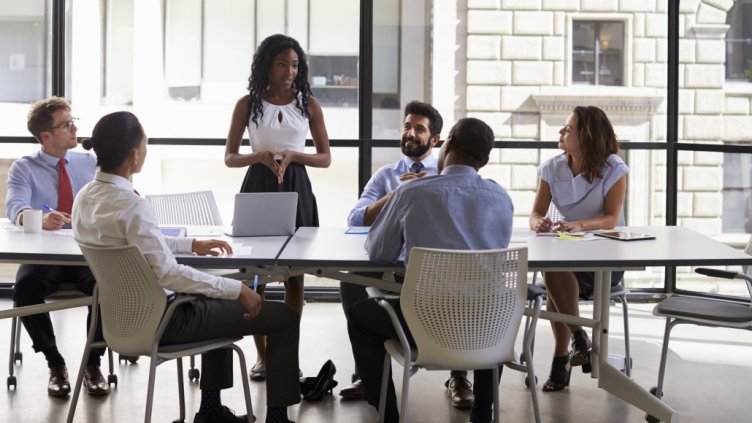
x=49, y=179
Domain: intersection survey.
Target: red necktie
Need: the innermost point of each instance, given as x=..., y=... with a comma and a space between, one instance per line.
x=64, y=192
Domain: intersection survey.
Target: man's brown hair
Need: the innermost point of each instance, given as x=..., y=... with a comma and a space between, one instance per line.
x=40, y=116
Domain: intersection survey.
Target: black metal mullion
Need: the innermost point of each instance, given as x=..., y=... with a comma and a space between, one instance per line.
x=365, y=93
x=58, y=48
x=672, y=127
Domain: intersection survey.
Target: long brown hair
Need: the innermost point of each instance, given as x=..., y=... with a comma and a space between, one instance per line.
x=597, y=140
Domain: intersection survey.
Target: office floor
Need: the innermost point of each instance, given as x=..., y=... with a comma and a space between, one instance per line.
x=707, y=381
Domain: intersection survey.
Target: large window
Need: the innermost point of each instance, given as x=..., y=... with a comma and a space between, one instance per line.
x=598, y=52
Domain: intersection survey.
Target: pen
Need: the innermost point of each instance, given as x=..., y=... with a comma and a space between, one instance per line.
x=255, y=282
x=51, y=210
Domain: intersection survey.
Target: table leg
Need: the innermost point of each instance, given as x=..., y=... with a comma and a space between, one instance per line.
x=609, y=377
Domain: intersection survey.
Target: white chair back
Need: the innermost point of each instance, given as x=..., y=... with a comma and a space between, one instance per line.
x=189, y=208
x=464, y=308
x=131, y=301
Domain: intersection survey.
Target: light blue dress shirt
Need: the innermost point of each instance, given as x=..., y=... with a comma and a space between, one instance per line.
x=33, y=180
x=574, y=196
x=384, y=181
x=456, y=210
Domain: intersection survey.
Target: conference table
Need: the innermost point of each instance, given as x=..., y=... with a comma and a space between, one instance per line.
x=333, y=253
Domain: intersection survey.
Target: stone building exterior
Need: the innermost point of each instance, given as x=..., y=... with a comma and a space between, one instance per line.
x=518, y=77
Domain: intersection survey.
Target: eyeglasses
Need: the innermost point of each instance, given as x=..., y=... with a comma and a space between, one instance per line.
x=67, y=125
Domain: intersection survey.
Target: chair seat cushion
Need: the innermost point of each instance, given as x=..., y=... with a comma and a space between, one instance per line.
x=703, y=308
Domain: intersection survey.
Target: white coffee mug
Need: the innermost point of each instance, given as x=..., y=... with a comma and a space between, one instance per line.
x=32, y=221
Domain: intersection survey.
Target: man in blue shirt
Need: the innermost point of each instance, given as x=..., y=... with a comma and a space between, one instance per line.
x=421, y=131
x=456, y=209
x=49, y=179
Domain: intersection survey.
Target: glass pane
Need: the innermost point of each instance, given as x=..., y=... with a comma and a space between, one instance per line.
x=194, y=60
x=739, y=42
x=24, y=62
x=598, y=52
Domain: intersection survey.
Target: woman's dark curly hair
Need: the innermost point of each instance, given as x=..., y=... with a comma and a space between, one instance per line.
x=259, y=79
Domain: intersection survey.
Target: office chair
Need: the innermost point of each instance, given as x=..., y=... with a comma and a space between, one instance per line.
x=134, y=318
x=685, y=309
x=463, y=309
x=66, y=290
x=189, y=208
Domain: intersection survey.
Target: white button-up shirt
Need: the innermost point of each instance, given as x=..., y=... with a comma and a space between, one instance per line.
x=107, y=212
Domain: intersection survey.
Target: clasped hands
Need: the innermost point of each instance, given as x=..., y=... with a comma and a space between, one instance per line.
x=544, y=224
x=409, y=176
x=278, y=161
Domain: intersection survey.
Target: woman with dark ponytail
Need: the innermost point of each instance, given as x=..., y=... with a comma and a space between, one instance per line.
x=108, y=212
x=277, y=113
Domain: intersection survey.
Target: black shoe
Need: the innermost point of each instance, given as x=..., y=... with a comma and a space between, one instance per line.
x=94, y=381
x=258, y=371
x=226, y=416
x=561, y=372
x=59, y=385
x=313, y=388
x=580, y=351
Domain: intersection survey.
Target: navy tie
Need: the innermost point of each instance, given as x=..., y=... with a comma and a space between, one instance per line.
x=417, y=167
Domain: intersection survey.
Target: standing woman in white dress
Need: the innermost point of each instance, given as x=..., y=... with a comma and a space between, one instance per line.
x=587, y=184
x=277, y=113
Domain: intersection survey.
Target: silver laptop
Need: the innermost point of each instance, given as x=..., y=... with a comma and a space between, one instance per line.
x=264, y=214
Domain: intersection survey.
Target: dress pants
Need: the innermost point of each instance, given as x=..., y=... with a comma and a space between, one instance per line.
x=368, y=326
x=206, y=318
x=36, y=282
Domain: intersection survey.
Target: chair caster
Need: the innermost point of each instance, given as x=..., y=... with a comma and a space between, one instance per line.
x=11, y=382
x=112, y=380
x=127, y=359
x=654, y=392
x=194, y=374
x=651, y=419
x=178, y=421
x=18, y=357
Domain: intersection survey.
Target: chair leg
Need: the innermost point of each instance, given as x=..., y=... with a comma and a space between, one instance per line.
x=246, y=384
x=85, y=356
x=664, y=357
x=384, y=385
x=528, y=352
x=17, y=355
x=627, y=353
x=181, y=389
x=406, y=371
x=150, y=388
x=497, y=402
x=11, y=355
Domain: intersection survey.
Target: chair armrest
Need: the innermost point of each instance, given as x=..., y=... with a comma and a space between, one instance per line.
x=716, y=273
x=726, y=275
x=396, y=323
x=377, y=293
x=180, y=299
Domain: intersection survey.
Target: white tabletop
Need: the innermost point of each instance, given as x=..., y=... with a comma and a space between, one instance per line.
x=59, y=247
x=326, y=247
x=672, y=246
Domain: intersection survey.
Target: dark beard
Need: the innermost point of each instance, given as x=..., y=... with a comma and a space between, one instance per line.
x=414, y=152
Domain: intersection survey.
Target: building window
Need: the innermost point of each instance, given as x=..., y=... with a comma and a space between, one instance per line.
x=598, y=52
x=739, y=42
